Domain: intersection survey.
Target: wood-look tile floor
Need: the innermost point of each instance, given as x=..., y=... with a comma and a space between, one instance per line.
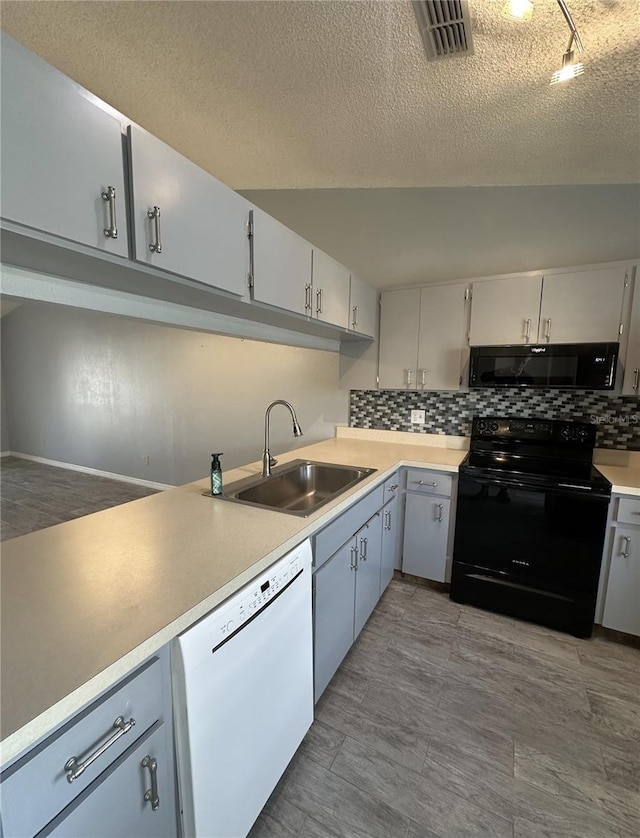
x=34, y=495
x=445, y=721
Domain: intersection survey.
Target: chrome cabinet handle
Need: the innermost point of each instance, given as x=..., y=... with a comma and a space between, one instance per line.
x=394, y=486
x=354, y=558
x=319, y=301
x=154, y=216
x=307, y=297
x=387, y=520
x=409, y=378
x=527, y=333
x=363, y=549
x=440, y=507
x=109, y=195
x=625, y=552
x=636, y=379
x=423, y=379
x=547, y=333
x=151, y=795
x=354, y=321
x=74, y=768
x=425, y=483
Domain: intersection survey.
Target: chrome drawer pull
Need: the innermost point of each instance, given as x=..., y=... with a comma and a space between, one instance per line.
x=354, y=558
x=527, y=334
x=409, y=378
x=354, y=322
x=151, y=795
x=425, y=483
x=625, y=550
x=307, y=298
x=363, y=549
x=394, y=486
x=547, y=334
x=154, y=216
x=319, y=301
x=636, y=380
x=109, y=195
x=440, y=507
x=74, y=768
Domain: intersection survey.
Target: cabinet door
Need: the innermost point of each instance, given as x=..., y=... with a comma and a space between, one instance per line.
x=442, y=337
x=369, y=541
x=280, y=265
x=60, y=152
x=334, y=597
x=622, y=597
x=505, y=311
x=115, y=804
x=426, y=527
x=201, y=224
x=399, y=325
x=330, y=290
x=631, y=383
x=390, y=542
x=363, y=307
x=585, y=306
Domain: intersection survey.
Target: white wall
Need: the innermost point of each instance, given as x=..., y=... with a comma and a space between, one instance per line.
x=104, y=391
x=393, y=237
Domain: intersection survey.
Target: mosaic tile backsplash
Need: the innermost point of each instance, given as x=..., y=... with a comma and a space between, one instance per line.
x=449, y=412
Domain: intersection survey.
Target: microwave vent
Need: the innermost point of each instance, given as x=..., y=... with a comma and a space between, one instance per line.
x=445, y=27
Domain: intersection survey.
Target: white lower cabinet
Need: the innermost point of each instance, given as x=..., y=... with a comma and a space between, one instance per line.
x=621, y=592
x=346, y=582
x=107, y=771
x=428, y=521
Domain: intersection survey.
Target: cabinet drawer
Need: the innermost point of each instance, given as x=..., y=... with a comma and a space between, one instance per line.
x=429, y=482
x=629, y=511
x=35, y=788
x=332, y=537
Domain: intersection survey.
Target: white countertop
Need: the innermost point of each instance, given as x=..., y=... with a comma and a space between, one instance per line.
x=84, y=602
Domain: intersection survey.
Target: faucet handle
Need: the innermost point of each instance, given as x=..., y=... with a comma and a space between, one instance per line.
x=273, y=461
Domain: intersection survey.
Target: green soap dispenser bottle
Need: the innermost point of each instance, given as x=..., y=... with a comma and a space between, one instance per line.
x=216, y=474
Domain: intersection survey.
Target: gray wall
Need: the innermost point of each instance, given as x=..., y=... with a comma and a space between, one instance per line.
x=5, y=440
x=412, y=236
x=104, y=391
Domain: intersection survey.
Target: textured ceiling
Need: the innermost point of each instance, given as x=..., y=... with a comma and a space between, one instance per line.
x=273, y=95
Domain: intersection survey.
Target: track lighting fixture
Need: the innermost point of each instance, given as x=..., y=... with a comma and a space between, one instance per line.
x=523, y=10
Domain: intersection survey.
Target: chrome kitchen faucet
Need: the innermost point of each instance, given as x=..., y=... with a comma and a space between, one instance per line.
x=267, y=459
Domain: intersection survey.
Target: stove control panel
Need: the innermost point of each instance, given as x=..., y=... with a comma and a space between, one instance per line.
x=550, y=431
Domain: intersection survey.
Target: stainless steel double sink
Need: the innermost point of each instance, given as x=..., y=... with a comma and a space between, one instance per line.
x=298, y=488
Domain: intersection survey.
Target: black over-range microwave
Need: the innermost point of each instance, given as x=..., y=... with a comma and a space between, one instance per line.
x=588, y=366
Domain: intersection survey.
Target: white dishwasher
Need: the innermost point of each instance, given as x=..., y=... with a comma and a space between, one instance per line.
x=243, y=688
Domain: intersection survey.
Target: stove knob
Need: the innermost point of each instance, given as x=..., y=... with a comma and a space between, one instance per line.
x=566, y=432
x=494, y=427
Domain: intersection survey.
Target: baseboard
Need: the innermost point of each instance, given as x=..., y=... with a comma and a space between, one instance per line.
x=123, y=478
x=6, y=454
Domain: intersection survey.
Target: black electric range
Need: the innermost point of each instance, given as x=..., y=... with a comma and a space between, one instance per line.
x=530, y=521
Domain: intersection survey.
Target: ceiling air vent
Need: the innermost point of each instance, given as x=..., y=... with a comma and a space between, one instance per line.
x=445, y=26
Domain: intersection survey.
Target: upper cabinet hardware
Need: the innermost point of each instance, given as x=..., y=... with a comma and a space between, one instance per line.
x=109, y=195
x=154, y=216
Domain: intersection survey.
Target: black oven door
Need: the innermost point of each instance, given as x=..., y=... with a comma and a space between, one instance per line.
x=529, y=550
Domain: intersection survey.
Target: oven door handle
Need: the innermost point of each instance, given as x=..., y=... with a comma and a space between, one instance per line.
x=560, y=488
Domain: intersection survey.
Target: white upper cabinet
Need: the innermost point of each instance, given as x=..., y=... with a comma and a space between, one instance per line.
x=184, y=220
x=62, y=161
x=280, y=265
x=582, y=307
x=631, y=383
x=330, y=290
x=505, y=311
x=363, y=307
x=442, y=336
x=422, y=337
x=399, y=330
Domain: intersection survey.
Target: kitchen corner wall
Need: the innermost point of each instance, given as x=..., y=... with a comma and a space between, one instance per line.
x=104, y=392
x=449, y=412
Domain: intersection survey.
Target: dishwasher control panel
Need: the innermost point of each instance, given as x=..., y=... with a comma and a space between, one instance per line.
x=250, y=600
